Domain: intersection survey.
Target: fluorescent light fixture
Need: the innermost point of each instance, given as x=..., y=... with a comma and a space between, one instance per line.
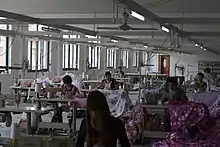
x=165, y=29
x=3, y=18
x=196, y=45
x=90, y=36
x=145, y=46
x=115, y=41
x=138, y=16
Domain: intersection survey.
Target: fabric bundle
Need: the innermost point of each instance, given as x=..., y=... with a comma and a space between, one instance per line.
x=191, y=126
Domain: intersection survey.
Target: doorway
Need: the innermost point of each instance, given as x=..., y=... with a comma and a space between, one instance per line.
x=164, y=64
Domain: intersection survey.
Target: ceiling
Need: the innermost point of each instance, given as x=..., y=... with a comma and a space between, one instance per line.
x=198, y=18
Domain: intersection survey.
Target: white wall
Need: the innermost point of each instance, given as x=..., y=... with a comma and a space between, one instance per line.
x=20, y=49
x=190, y=62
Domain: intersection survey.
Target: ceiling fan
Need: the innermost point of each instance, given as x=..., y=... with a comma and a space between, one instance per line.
x=125, y=26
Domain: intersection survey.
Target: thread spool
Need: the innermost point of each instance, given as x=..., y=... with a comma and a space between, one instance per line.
x=37, y=87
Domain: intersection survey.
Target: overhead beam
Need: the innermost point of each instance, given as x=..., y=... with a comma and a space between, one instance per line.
x=204, y=34
x=103, y=20
x=132, y=33
x=199, y=21
x=33, y=20
x=195, y=21
x=131, y=4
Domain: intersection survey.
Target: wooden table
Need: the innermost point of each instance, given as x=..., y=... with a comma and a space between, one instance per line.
x=161, y=109
x=92, y=81
x=86, y=90
x=28, y=110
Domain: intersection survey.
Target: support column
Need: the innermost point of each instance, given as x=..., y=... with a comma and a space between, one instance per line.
x=103, y=58
x=83, y=55
x=118, y=58
x=130, y=61
x=56, y=63
x=19, y=48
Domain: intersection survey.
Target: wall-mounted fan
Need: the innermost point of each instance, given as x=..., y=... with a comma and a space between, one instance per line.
x=125, y=26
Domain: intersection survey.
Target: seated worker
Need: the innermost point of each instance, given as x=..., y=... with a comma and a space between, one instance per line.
x=109, y=82
x=122, y=73
x=174, y=92
x=201, y=84
x=208, y=76
x=69, y=90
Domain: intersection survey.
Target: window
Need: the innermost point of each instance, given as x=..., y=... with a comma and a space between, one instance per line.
x=94, y=57
x=111, y=58
x=124, y=59
x=38, y=54
x=38, y=51
x=70, y=54
x=135, y=59
x=35, y=27
x=144, y=57
x=4, y=48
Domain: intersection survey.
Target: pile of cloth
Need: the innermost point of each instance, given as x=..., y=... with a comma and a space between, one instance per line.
x=133, y=125
x=210, y=99
x=191, y=126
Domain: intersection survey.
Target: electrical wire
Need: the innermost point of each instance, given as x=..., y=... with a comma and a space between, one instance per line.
x=158, y=49
x=12, y=42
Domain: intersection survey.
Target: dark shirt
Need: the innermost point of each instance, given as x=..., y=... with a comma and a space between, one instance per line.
x=176, y=95
x=179, y=95
x=121, y=72
x=118, y=133
x=113, y=83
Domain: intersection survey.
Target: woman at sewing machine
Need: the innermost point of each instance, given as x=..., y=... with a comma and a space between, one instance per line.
x=109, y=82
x=121, y=75
x=208, y=76
x=69, y=90
x=121, y=72
x=200, y=85
x=174, y=92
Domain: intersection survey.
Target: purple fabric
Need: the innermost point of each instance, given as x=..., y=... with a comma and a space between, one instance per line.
x=81, y=102
x=193, y=114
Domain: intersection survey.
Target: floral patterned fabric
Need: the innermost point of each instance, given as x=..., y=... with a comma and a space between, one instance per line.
x=191, y=114
x=134, y=125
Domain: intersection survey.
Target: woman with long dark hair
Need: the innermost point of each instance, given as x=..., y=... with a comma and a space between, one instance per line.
x=100, y=129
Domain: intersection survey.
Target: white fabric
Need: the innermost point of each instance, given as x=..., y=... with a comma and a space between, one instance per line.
x=116, y=101
x=211, y=100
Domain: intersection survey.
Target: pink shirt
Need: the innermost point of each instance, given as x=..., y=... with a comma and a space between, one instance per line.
x=70, y=94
